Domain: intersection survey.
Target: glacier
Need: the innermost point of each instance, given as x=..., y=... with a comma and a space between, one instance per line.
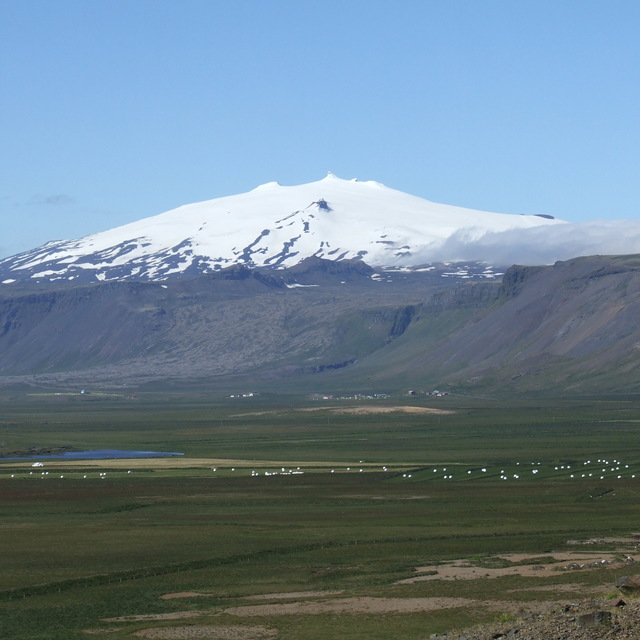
x=274, y=226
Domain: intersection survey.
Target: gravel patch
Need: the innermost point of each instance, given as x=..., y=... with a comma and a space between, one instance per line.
x=358, y=605
x=587, y=620
x=175, y=615
x=207, y=632
x=292, y=595
x=185, y=594
x=565, y=562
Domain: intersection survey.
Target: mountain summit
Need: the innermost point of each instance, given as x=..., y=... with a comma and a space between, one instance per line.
x=271, y=226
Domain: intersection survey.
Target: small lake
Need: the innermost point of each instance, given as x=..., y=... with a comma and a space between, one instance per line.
x=99, y=454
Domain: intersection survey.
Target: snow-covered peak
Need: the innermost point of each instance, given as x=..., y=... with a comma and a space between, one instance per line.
x=271, y=226
x=332, y=176
x=267, y=185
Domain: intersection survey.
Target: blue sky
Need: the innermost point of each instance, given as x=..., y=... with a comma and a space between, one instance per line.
x=112, y=111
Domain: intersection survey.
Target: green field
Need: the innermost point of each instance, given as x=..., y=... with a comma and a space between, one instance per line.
x=281, y=495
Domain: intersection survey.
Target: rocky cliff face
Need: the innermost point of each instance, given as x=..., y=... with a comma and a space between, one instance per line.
x=238, y=321
x=570, y=327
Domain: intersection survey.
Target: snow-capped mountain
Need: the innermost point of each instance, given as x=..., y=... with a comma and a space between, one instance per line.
x=271, y=226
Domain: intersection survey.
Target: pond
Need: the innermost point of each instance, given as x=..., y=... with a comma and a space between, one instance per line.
x=99, y=454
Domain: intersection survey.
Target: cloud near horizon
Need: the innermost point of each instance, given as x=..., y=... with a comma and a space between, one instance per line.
x=55, y=199
x=545, y=244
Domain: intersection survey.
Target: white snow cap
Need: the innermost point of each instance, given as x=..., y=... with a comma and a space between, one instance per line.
x=278, y=226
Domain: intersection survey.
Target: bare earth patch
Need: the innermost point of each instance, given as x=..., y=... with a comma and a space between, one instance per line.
x=359, y=410
x=569, y=587
x=358, y=605
x=174, y=615
x=185, y=594
x=365, y=410
x=394, y=498
x=292, y=595
x=566, y=562
x=206, y=632
x=263, y=596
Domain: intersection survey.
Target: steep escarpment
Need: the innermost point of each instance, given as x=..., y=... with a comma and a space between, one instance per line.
x=54, y=330
x=237, y=321
x=570, y=327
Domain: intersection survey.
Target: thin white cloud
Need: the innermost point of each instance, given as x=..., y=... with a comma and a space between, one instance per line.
x=56, y=199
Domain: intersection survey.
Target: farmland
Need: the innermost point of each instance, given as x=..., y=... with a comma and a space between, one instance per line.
x=290, y=518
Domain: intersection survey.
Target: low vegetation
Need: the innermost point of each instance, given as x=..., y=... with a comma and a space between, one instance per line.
x=288, y=523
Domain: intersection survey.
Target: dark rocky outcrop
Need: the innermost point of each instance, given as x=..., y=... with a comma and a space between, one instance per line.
x=629, y=584
x=584, y=620
x=571, y=327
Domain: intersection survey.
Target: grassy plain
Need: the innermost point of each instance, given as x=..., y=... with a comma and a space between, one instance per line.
x=86, y=542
